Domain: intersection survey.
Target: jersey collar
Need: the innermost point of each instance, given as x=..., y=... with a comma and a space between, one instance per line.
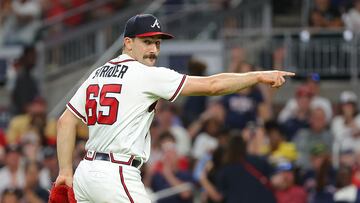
x=125, y=57
x=122, y=57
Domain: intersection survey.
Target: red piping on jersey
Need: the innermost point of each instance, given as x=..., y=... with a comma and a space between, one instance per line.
x=123, y=61
x=121, y=162
x=77, y=113
x=178, y=89
x=124, y=185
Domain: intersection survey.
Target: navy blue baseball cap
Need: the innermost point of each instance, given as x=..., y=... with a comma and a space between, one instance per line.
x=144, y=25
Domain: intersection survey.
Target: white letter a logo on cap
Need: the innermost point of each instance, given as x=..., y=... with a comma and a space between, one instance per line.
x=156, y=23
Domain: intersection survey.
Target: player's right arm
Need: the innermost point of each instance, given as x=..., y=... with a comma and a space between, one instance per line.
x=66, y=133
x=227, y=83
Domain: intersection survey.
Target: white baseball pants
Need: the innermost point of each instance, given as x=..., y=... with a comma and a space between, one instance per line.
x=100, y=181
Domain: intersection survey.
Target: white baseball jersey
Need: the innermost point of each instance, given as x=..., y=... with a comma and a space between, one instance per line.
x=117, y=103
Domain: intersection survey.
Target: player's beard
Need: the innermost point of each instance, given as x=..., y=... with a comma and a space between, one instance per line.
x=150, y=59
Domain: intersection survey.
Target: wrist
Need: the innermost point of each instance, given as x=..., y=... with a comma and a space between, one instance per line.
x=66, y=172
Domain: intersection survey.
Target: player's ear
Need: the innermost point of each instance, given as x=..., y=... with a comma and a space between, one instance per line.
x=128, y=43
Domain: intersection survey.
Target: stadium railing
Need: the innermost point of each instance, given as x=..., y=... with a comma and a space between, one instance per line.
x=331, y=53
x=79, y=45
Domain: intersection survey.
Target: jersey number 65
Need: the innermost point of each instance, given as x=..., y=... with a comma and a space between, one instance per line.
x=93, y=116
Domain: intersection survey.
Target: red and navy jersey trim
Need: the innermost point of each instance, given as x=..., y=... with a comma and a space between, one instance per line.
x=178, y=89
x=123, y=61
x=76, y=112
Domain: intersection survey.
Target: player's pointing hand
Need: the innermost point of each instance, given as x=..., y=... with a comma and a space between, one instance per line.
x=274, y=78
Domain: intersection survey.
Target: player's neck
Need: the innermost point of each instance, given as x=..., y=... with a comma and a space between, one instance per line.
x=127, y=53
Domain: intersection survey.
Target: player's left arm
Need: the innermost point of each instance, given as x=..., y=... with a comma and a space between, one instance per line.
x=66, y=133
x=227, y=83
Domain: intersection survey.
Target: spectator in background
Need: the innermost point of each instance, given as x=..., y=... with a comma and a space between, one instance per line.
x=170, y=122
x=26, y=88
x=352, y=17
x=346, y=158
x=21, y=27
x=32, y=126
x=278, y=149
x=294, y=119
x=284, y=183
x=50, y=169
x=318, y=133
x=11, y=195
x=244, y=178
x=222, y=140
x=313, y=82
x=206, y=141
x=346, y=126
x=319, y=178
x=245, y=106
x=317, y=101
x=346, y=191
x=324, y=16
x=12, y=174
x=33, y=192
x=255, y=138
x=214, y=110
x=194, y=106
x=209, y=176
x=169, y=173
x=205, y=131
x=31, y=150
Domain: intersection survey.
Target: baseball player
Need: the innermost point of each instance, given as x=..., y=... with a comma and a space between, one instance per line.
x=117, y=103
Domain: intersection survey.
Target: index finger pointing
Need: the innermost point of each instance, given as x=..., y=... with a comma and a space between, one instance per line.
x=285, y=73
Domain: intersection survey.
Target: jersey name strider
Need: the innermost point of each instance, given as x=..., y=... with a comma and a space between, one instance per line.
x=115, y=103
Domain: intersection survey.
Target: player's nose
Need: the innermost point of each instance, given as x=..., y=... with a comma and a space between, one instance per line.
x=153, y=48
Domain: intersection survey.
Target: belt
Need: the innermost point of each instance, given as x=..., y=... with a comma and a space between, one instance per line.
x=110, y=157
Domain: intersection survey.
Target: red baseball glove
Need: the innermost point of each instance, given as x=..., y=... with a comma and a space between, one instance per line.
x=61, y=194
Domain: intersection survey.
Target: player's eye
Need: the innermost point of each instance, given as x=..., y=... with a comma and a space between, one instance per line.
x=147, y=42
x=157, y=43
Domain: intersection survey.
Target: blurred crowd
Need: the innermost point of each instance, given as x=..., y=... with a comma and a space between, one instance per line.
x=241, y=147
x=244, y=148
x=22, y=21
x=319, y=14
x=336, y=14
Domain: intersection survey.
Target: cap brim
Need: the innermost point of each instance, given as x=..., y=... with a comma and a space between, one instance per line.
x=162, y=35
